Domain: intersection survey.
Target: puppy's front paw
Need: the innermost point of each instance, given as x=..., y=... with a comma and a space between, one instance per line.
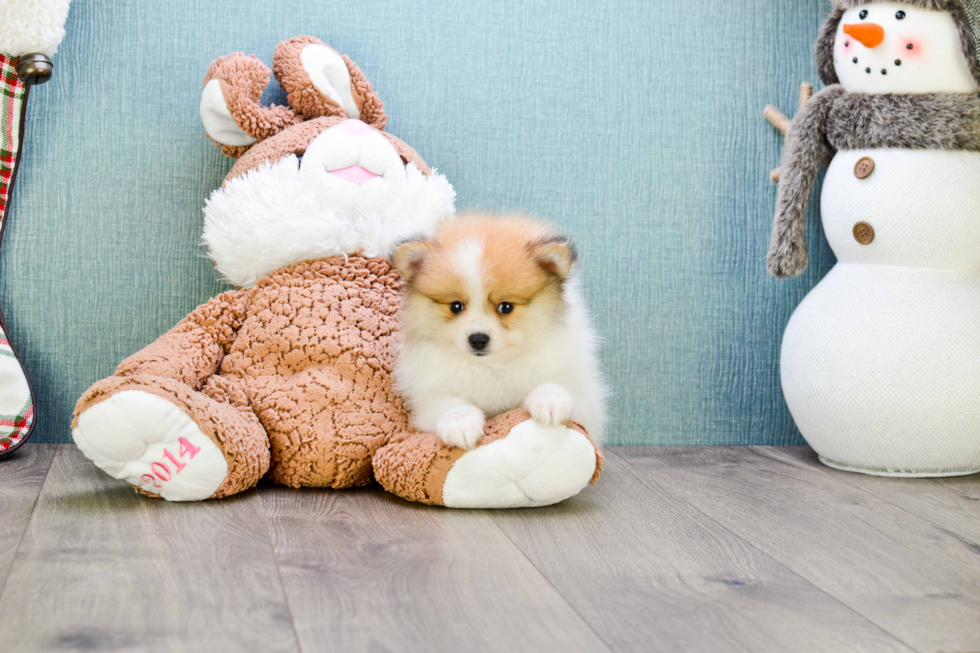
x=549, y=404
x=461, y=426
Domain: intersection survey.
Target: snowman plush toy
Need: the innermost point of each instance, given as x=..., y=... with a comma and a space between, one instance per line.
x=881, y=361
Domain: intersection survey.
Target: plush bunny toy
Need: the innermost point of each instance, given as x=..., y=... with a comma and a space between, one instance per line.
x=289, y=376
x=881, y=361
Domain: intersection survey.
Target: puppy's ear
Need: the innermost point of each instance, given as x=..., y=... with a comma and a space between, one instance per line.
x=408, y=257
x=556, y=255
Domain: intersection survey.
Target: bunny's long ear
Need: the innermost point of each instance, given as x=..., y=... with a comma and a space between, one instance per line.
x=319, y=81
x=230, y=108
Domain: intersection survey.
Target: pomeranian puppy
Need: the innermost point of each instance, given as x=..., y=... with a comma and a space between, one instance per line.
x=494, y=319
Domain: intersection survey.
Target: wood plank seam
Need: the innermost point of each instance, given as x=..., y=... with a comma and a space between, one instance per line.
x=654, y=485
x=763, y=452
x=114, y=570
x=20, y=540
x=547, y=580
x=846, y=478
x=275, y=556
x=363, y=551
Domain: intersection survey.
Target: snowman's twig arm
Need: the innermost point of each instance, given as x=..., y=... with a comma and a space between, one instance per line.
x=777, y=119
x=802, y=157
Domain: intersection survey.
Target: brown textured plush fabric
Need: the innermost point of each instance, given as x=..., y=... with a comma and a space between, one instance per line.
x=408, y=154
x=297, y=138
x=294, y=140
x=303, y=96
x=306, y=98
x=300, y=363
x=414, y=466
x=372, y=109
x=243, y=78
x=281, y=131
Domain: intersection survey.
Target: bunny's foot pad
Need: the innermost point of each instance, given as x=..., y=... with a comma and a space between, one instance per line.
x=152, y=444
x=520, y=463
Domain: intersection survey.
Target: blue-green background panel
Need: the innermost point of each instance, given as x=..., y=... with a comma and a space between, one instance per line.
x=634, y=125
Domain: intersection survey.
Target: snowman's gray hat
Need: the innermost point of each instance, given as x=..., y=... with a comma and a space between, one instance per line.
x=966, y=13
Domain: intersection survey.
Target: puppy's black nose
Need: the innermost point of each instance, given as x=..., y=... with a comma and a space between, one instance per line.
x=479, y=341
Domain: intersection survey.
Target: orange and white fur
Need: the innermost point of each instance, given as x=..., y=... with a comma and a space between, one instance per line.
x=494, y=320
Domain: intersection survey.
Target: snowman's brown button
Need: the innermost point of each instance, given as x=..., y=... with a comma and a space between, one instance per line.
x=864, y=233
x=864, y=167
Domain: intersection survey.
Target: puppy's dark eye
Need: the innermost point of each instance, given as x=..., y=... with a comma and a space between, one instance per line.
x=505, y=308
x=900, y=15
x=863, y=14
x=456, y=308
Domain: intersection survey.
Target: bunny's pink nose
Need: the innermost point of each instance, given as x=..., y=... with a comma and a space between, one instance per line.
x=354, y=126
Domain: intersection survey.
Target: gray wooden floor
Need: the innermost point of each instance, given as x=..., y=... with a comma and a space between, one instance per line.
x=676, y=549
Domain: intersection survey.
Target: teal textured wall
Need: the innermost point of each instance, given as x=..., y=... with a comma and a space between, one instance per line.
x=634, y=124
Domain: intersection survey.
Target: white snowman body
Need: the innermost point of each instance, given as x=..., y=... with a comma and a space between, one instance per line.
x=880, y=362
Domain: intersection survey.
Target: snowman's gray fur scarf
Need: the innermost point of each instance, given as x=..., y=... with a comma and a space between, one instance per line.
x=837, y=120
x=966, y=13
x=802, y=155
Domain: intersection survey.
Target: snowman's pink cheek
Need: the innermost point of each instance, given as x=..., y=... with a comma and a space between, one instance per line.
x=848, y=45
x=909, y=48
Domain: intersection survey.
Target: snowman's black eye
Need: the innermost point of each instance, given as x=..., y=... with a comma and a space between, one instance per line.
x=863, y=14
x=456, y=308
x=900, y=15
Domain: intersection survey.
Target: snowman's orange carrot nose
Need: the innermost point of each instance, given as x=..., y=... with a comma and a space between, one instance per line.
x=869, y=34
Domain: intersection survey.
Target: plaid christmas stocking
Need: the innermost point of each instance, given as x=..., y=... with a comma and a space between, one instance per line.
x=32, y=31
x=16, y=398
